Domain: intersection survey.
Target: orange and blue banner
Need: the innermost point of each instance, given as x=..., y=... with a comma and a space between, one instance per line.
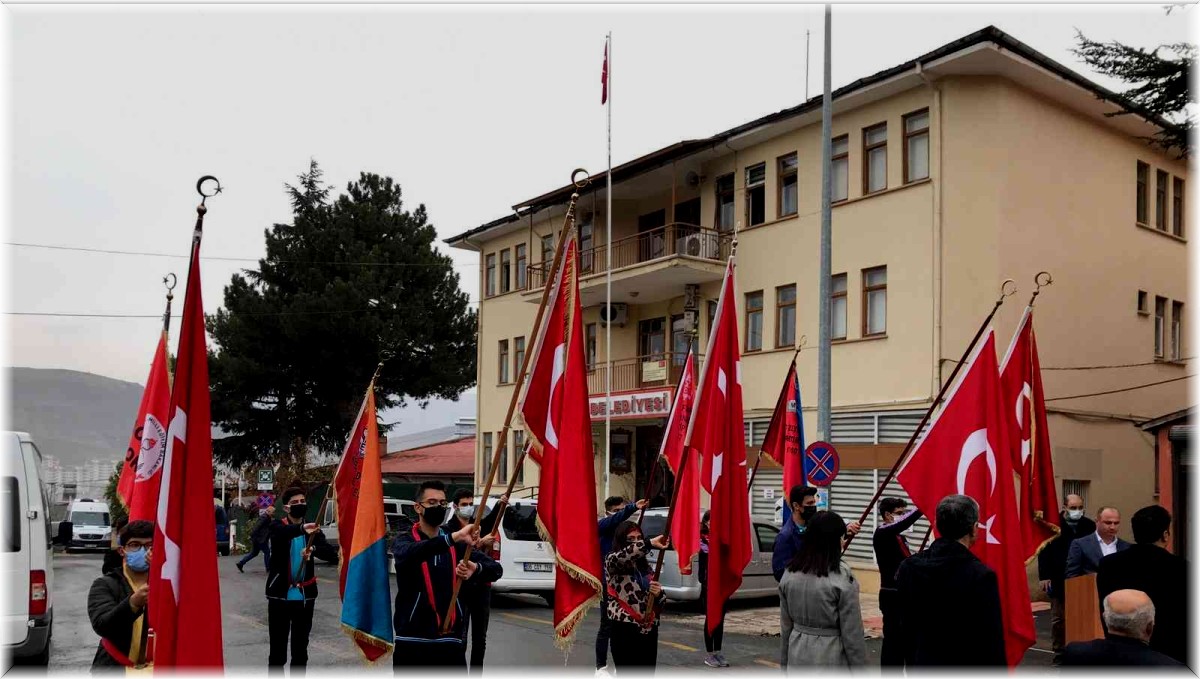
x=362, y=531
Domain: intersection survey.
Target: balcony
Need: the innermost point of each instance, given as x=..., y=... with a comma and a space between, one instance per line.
x=650, y=266
x=640, y=372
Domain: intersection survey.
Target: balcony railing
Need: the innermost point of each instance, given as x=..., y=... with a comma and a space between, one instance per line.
x=639, y=372
x=672, y=240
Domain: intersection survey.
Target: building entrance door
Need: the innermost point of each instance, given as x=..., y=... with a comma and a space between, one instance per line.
x=649, y=439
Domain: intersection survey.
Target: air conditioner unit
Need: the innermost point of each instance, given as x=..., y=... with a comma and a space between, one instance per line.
x=616, y=314
x=698, y=245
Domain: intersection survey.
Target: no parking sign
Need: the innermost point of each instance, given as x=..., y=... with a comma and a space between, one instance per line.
x=821, y=463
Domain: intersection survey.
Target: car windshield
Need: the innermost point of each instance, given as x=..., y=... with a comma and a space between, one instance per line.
x=89, y=518
x=520, y=522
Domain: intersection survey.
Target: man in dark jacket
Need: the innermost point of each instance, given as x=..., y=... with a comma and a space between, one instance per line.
x=1147, y=566
x=802, y=502
x=478, y=595
x=1129, y=616
x=427, y=562
x=258, y=539
x=891, y=548
x=117, y=600
x=949, y=599
x=1052, y=563
x=292, y=581
x=616, y=511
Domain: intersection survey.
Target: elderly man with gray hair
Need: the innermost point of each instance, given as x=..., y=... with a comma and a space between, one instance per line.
x=1129, y=615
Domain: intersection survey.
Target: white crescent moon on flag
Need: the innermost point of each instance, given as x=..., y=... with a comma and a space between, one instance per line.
x=1026, y=394
x=560, y=359
x=976, y=445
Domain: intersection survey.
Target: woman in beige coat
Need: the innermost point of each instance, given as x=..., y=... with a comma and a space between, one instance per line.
x=819, y=615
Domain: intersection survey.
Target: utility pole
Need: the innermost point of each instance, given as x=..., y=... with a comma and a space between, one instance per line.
x=823, y=368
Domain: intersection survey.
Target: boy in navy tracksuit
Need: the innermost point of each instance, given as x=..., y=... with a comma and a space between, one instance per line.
x=427, y=562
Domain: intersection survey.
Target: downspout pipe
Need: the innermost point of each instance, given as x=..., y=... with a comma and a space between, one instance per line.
x=936, y=254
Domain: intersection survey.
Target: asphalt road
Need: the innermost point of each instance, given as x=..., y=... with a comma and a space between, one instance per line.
x=518, y=636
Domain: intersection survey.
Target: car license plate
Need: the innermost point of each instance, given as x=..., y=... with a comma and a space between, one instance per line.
x=538, y=567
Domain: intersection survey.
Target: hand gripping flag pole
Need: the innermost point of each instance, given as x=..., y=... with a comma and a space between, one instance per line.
x=1005, y=292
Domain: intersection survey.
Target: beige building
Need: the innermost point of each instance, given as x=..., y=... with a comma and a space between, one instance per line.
x=980, y=161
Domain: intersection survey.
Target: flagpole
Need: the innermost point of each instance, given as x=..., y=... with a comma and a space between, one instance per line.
x=502, y=448
x=782, y=394
x=658, y=458
x=608, y=279
x=1004, y=293
x=823, y=286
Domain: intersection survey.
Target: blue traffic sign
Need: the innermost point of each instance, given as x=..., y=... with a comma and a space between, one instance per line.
x=821, y=463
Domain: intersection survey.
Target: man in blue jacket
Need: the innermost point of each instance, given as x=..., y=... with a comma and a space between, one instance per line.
x=615, y=511
x=803, y=502
x=427, y=562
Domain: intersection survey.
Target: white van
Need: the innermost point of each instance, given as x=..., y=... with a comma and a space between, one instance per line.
x=26, y=559
x=528, y=562
x=91, y=527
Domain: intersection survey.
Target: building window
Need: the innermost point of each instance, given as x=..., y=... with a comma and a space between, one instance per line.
x=518, y=355
x=547, y=251
x=756, y=194
x=874, y=301
x=652, y=339
x=712, y=315
x=754, y=319
x=1143, y=307
x=502, y=464
x=1076, y=487
x=518, y=448
x=788, y=189
x=724, y=189
x=503, y=364
x=586, y=243
x=1176, y=331
x=1160, y=201
x=486, y=467
x=505, y=270
x=875, y=158
x=1160, y=313
x=1143, y=174
x=491, y=275
x=590, y=345
x=522, y=265
x=838, y=307
x=916, y=146
x=785, y=316
x=841, y=168
x=1177, y=207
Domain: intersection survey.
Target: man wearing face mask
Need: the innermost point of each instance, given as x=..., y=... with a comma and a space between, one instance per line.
x=292, y=581
x=949, y=599
x=802, y=501
x=478, y=595
x=1052, y=563
x=891, y=548
x=428, y=560
x=117, y=600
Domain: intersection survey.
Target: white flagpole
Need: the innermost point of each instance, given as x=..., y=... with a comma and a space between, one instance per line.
x=608, y=284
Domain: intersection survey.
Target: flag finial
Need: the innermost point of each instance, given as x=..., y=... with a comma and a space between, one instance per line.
x=1037, y=281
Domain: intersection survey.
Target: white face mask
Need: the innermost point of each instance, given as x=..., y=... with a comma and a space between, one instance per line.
x=1074, y=514
x=466, y=513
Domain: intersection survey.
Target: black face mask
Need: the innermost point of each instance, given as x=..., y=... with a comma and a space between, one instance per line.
x=434, y=516
x=297, y=510
x=808, y=513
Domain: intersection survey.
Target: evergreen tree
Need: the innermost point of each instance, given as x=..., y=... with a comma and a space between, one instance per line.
x=350, y=282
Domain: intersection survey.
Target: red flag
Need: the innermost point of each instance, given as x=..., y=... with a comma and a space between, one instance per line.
x=785, y=437
x=965, y=452
x=137, y=487
x=715, y=432
x=555, y=408
x=685, y=524
x=604, y=76
x=185, y=595
x=1029, y=438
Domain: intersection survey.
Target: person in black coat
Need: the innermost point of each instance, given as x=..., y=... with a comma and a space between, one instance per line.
x=292, y=581
x=117, y=600
x=1147, y=566
x=428, y=560
x=949, y=599
x=1052, y=563
x=259, y=539
x=1129, y=616
x=891, y=549
x=478, y=595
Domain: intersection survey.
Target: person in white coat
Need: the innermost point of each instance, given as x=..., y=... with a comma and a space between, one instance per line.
x=820, y=617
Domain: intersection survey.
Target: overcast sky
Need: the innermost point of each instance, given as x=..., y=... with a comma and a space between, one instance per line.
x=116, y=112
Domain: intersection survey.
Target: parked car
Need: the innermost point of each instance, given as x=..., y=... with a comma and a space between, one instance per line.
x=757, y=579
x=528, y=562
x=90, y=525
x=26, y=558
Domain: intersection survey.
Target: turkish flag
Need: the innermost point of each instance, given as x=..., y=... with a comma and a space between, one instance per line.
x=784, y=442
x=1029, y=438
x=965, y=452
x=137, y=487
x=604, y=76
x=185, y=594
x=716, y=433
x=555, y=409
x=685, y=522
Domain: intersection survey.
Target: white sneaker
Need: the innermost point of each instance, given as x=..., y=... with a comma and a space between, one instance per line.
x=603, y=672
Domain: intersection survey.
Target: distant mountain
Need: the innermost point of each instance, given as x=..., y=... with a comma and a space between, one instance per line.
x=74, y=416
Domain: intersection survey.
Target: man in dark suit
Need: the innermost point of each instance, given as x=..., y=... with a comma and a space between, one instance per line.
x=1052, y=563
x=1148, y=566
x=1085, y=553
x=1129, y=615
x=949, y=599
